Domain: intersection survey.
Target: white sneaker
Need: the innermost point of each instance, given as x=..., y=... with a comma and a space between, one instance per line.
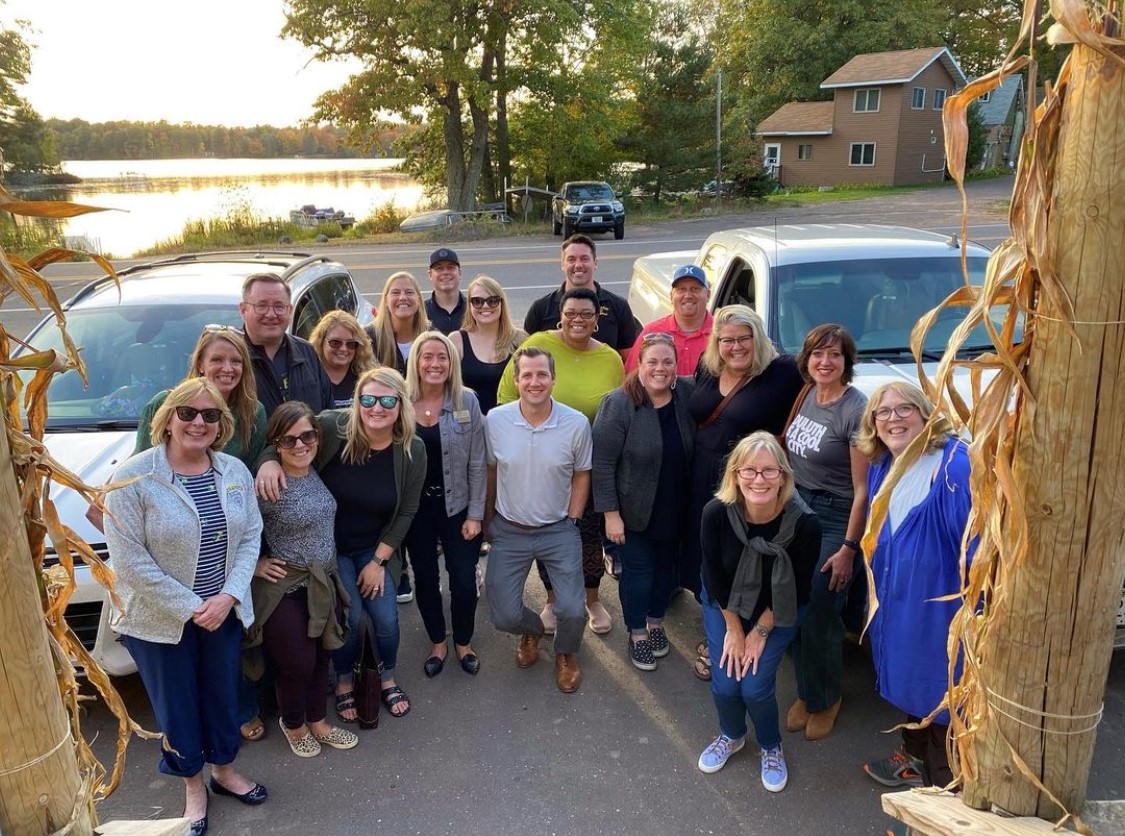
x=547, y=616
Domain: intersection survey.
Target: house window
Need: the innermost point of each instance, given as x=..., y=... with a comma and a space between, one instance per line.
x=984, y=99
x=939, y=99
x=804, y=152
x=862, y=153
x=918, y=98
x=866, y=101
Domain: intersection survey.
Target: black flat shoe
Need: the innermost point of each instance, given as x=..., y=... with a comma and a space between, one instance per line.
x=199, y=826
x=254, y=796
x=433, y=666
x=470, y=664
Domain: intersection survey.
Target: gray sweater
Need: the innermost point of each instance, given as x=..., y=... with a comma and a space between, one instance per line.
x=152, y=530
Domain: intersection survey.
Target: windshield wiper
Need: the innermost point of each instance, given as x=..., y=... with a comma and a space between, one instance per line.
x=106, y=425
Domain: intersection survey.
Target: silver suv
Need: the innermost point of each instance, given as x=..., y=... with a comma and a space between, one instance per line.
x=137, y=343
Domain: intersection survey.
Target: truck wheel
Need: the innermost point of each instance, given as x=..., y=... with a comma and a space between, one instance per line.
x=556, y=227
x=567, y=229
x=619, y=230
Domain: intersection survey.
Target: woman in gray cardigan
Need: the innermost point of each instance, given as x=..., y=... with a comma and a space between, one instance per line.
x=184, y=539
x=374, y=465
x=642, y=455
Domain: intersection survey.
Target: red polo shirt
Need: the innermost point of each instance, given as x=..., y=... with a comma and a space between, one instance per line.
x=689, y=347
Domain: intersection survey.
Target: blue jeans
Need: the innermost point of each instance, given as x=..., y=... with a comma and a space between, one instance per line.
x=647, y=567
x=818, y=650
x=756, y=693
x=382, y=610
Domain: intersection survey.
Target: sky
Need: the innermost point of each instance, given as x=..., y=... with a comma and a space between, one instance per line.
x=212, y=62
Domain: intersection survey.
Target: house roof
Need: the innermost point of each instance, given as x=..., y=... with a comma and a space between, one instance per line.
x=897, y=67
x=799, y=119
x=999, y=105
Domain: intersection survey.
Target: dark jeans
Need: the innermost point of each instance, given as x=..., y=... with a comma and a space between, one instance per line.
x=430, y=526
x=647, y=567
x=928, y=745
x=593, y=560
x=382, y=610
x=818, y=649
x=300, y=663
x=193, y=688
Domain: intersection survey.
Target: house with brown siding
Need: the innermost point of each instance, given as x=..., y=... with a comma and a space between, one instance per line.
x=883, y=124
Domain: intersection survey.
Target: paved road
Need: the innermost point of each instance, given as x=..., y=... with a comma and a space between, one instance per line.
x=505, y=752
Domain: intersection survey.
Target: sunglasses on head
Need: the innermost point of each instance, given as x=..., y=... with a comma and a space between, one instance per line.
x=288, y=442
x=218, y=329
x=480, y=301
x=657, y=337
x=385, y=401
x=338, y=344
x=187, y=414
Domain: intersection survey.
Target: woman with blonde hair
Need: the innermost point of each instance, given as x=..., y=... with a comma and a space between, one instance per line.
x=400, y=319
x=742, y=385
x=451, y=509
x=486, y=340
x=760, y=544
x=374, y=465
x=345, y=352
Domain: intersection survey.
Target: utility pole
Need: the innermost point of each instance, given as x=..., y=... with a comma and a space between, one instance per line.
x=719, y=133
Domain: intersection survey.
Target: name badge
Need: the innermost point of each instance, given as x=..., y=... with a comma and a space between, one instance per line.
x=461, y=416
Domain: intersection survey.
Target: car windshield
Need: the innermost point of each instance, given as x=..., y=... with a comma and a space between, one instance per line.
x=131, y=353
x=878, y=300
x=590, y=191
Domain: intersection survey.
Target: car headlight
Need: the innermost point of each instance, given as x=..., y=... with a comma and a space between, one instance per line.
x=618, y=206
x=572, y=210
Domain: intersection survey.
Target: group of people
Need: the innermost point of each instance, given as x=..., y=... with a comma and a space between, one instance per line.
x=691, y=448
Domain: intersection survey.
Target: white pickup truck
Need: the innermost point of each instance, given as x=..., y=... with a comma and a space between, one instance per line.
x=875, y=280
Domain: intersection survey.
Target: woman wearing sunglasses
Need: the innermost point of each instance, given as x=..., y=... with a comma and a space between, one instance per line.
x=486, y=340
x=345, y=352
x=449, y=422
x=184, y=535
x=374, y=465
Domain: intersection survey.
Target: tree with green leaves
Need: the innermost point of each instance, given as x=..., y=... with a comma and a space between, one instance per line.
x=24, y=142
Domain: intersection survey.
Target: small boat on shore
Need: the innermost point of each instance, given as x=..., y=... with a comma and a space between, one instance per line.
x=310, y=216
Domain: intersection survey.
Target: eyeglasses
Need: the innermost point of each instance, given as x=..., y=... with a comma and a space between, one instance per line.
x=585, y=316
x=338, y=344
x=479, y=302
x=187, y=414
x=288, y=442
x=752, y=473
x=385, y=401
x=263, y=308
x=903, y=410
x=658, y=337
x=731, y=342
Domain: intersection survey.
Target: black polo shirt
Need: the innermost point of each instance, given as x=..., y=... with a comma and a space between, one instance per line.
x=617, y=327
x=440, y=319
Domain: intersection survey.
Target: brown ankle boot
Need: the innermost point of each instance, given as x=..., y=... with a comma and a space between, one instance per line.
x=820, y=723
x=798, y=716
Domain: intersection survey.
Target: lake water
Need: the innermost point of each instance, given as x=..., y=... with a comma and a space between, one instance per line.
x=153, y=199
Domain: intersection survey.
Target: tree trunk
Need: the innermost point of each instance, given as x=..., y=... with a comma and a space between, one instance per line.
x=454, y=149
x=39, y=779
x=1045, y=656
x=503, y=137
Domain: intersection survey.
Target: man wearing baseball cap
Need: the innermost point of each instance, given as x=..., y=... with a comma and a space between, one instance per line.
x=446, y=305
x=689, y=323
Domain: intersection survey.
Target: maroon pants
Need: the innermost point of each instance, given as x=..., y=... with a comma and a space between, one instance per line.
x=300, y=664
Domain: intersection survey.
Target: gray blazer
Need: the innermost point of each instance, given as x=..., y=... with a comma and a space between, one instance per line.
x=463, y=456
x=152, y=530
x=628, y=451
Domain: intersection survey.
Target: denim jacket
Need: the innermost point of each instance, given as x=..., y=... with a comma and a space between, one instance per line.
x=463, y=456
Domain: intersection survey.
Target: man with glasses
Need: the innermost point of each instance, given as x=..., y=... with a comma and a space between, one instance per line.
x=689, y=324
x=286, y=367
x=616, y=326
x=446, y=305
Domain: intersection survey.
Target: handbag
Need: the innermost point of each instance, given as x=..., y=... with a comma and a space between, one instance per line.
x=368, y=680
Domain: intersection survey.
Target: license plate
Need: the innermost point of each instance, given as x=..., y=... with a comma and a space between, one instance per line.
x=597, y=219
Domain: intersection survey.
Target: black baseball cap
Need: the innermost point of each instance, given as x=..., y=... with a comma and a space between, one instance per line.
x=444, y=254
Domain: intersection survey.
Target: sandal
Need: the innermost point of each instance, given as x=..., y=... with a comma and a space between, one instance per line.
x=346, y=702
x=702, y=665
x=395, y=696
x=252, y=730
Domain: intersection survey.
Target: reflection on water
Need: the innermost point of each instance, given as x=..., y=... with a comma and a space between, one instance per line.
x=153, y=199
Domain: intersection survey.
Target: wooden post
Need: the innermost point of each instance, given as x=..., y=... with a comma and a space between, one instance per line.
x=1044, y=657
x=39, y=779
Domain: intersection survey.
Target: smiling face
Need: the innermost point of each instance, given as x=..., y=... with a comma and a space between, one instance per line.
x=402, y=299
x=826, y=365
x=433, y=363
x=579, y=266
x=689, y=300
x=897, y=430
x=222, y=365
x=266, y=312
x=191, y=438
x=759, y=481
x=657, y=368
x=736, y=347
x=482, y=312
x=339, y=358
x=445, y=276
x=534, y=380
x=377, y=419
x=579, y=318
x=296, y=459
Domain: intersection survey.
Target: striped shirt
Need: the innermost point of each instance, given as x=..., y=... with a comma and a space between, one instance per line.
x=210, y=571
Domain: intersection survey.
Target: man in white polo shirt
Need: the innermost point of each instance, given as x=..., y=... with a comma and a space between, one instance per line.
x=539, y=459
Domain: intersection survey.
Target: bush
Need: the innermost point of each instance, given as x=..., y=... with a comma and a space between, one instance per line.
x=757, y=185
x=385, y=218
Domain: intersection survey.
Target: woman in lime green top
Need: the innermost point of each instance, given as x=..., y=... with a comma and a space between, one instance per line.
x=585, y=372
x=220, y=355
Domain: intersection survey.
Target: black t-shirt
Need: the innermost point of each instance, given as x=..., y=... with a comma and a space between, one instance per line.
x=343, y=392
x=617, y=327
x=431, y=437
x=668, y=505
x=366, y=498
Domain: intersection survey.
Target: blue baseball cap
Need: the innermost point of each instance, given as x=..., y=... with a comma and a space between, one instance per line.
x=689, y=271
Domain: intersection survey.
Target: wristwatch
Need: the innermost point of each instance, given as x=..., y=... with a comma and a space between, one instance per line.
x=762, y=631
x=382, y=561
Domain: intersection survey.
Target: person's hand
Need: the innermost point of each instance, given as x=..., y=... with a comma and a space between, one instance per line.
x=270, y=482
x=840, y=565
x=213, y=612
x=371, y=579
x=470, y=529
x=753, y=646
x=733, y=650
x=614, y=528
x=270, y=569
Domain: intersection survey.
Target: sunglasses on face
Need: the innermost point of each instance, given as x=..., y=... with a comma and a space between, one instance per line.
x=385, y=401
x=187, y=414
x=352, y=345
x=479, y=302
x=288, y=442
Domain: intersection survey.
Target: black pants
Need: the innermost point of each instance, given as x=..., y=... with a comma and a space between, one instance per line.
x=928, y=745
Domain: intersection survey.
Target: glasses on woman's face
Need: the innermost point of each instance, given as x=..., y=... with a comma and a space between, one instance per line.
x=585, y=316
x=336, y=345
x=187, y=414
x=479, y=302
x=902, y=410
x=731, y=342
x=752, y=473
x=385, y=401
x=288, y=442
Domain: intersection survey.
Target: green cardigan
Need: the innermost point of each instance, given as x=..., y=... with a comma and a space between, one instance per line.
x=247, y=454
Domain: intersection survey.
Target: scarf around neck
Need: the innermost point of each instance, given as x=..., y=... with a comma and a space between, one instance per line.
x=747, y=585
